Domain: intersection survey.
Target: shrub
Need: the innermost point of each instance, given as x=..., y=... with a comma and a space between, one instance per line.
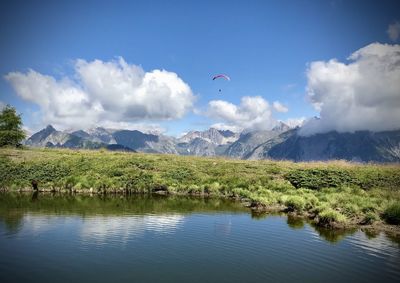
x=195, y=189
x=369, y=218
x=280, y=185
x=295, y=203
x=392, y=213
x=180, y=175
x=316, y=179
x=239, y=192
x=213, y=188
x=311, y=201
x=350, y=209
x=328, y=216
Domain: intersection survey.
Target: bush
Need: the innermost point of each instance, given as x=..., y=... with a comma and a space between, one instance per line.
x=369, y=218
x=328, y=216
x=180, y=175
x=311, y=201
x=295, y=203
x=392, y=213
x=280, y=186
x=316, y=179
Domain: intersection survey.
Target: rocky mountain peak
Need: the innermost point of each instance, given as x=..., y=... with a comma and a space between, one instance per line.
x=50, y=129
x=42, y=134
x=281, y=127
x=211, y=135
x=279, y=143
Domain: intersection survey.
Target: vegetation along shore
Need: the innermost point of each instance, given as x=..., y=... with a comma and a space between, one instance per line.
x=333, y=194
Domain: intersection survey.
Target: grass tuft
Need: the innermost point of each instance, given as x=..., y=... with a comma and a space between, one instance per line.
x=392, y=213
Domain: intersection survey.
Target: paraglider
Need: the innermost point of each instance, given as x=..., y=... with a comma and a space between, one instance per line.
x=221, y=76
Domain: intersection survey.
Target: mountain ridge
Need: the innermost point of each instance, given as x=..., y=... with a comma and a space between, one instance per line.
x=281, y=142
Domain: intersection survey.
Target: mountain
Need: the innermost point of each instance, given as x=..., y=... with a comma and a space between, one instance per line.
x=214, y=136
x=102, y=135
x=50, y=137
x=364, y=146
x=247, y=142
x=123, y=140
x=198, y=147
x=206, y=143
x=145, y=142
x=261, y=151
x=281, y=143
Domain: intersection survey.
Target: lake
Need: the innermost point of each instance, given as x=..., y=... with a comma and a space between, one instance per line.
x=142, y=238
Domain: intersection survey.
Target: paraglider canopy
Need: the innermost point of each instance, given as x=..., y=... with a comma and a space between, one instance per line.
x=221, y=76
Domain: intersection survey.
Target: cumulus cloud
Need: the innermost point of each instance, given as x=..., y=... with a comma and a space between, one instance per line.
x=363, y=94
x=394, y=31
x=101, y=93
x=253, y=113
x=280, y=107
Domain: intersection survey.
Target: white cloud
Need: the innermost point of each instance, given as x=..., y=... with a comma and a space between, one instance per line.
x=148, y=128
x=361, y=95
x=280, y=107
x=103, y=93
x=394, y=31
x=225, y=127
x=253, y=113
x=2, y=105
x=294, y=122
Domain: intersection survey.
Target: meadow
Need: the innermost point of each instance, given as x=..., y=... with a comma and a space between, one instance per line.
x=333, y=194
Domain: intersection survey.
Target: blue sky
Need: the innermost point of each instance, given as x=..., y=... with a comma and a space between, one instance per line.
x=265, y=47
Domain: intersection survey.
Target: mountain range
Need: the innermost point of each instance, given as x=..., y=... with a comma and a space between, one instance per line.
x=280, y=143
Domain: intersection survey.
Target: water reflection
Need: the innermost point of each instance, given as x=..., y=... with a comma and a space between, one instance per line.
x=295, y=222
x=35, y=195
x=106, y=215
x=100, y=229
x=12, y=220
x=173, y=239
x=333, y=236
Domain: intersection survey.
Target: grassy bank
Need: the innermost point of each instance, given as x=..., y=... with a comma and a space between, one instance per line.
x=334, y=194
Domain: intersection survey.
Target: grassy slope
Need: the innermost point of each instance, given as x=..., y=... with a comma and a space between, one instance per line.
x=333, y=193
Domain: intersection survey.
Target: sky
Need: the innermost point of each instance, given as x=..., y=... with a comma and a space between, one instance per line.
x=148, y=65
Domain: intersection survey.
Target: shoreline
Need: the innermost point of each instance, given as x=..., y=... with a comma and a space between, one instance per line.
x=335, y=194
x=254, y=207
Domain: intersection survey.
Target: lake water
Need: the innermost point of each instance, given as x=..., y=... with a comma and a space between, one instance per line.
x=176, y=239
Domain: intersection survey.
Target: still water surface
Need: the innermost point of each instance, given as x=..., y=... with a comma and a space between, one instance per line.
x=177, y=239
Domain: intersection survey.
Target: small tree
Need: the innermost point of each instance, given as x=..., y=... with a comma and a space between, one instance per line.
x=11, y=132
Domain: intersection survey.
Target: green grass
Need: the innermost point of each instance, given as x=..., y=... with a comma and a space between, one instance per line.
x=331, y=192
x=392, y=213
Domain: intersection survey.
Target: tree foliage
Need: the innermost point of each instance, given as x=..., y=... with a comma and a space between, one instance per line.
x=11, y=132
